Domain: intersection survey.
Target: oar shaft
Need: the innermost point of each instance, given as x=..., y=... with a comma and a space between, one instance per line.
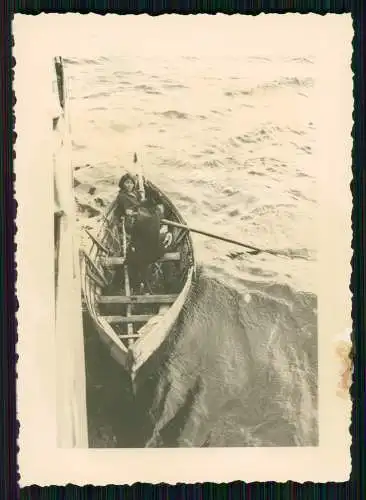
x=211, y=235
x=140, y=177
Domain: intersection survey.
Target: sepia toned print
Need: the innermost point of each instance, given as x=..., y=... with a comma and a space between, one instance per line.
x=190, y=268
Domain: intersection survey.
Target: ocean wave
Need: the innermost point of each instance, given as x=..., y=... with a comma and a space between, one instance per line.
x=288, y=82
x=234, y=93
x=99, y=108
x=96, y=95
x=297, y=132
x=269, y=132
x=172, y=161
x=71, y=61
x=271, y=208
x=119, y=127
x=118, y=74
x=80, y=61
x=214, y=163
x=269, y=162
x=147, y=89
x=298, y=195
x=259, y=58
x=301, y=60
x=174, y=86
x=281, y=83
x=266, y=132
x=122, y=83
x=173, y=114
x=256, y=172
x=302, y=147
x=292, y=253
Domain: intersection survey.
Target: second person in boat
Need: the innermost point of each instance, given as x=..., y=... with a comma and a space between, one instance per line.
x=149, y=240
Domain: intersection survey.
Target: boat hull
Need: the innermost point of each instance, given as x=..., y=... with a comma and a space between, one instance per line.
x=133, y=355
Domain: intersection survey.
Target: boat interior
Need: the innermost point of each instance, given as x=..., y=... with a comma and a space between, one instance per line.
x=133, y=310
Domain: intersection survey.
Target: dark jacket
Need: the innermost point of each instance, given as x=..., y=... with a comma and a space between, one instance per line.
x=146, y=245
x=126, y=201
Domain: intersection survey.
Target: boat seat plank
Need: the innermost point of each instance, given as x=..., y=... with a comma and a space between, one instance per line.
x=170, y=256
x=141, y=318
x=137, y=299
x=113, y=261
x=130, y=336
x=118, y=261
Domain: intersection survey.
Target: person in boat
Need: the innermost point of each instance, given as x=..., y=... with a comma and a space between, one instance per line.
x=128, y=200
x=149, y=242
x=129, y=205
x=149, y=239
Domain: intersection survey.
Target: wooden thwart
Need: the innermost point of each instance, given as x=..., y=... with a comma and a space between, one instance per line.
x=140, y=318
x=170, y=256
x=132, y=336
x=113, y=261
x=137, y=299
x=118, y=261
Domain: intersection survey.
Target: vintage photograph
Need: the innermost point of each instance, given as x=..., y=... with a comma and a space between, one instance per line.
x=187, y=188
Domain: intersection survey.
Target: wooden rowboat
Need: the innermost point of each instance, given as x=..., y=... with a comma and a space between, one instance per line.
x=135, y=325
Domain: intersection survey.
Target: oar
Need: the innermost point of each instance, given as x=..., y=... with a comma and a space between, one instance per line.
x=140, y=177
x=254, y=250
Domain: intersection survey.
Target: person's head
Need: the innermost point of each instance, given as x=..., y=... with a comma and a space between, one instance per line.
x=127, y=183
x=153, y=207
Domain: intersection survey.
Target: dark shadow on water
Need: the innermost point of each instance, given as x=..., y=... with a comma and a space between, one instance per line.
x=169, y=435
x=119, y=415
x=114, y=417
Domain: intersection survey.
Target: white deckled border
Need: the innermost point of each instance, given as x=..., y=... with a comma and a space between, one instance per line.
x=37, y=39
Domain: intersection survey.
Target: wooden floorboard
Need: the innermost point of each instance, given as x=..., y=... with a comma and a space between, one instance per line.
x=113, y=261
x=132, y=336
x=141, y=318
x=170, y=256
x=118, y=261
x=137, y=299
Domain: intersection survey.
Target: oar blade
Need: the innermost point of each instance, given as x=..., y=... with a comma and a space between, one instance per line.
x=237, y=255
x=254, y=252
